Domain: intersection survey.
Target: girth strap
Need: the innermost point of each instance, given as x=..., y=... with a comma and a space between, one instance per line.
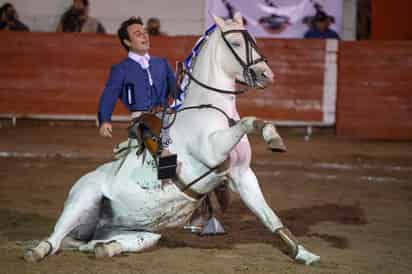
x=186, y=188
x=223, y=168
x=189, y=192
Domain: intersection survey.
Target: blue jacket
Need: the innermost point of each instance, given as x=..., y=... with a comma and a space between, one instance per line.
x=130, y=82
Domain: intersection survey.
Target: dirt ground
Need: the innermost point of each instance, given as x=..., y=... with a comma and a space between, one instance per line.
x=349, y=201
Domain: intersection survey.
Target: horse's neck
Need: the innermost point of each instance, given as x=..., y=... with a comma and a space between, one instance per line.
x=209, y=73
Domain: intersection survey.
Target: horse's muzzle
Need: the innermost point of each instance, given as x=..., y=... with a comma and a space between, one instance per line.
x=264, y=77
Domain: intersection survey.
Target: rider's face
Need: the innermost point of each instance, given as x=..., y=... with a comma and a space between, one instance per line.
x=138, y=39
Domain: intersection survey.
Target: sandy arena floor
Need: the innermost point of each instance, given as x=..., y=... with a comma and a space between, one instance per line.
x=349, y=201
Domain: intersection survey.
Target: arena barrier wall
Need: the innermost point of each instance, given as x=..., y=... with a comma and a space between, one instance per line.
x=375, y=90
x=61, y=76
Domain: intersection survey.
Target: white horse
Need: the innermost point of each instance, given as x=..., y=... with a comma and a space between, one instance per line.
x=109, y=212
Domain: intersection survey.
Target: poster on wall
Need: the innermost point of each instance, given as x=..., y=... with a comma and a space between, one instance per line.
x=277, y=18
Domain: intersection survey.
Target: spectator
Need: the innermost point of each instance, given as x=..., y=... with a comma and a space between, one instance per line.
x=319, y=27
x=153, y=27
x=9, y=19
x=77, y=19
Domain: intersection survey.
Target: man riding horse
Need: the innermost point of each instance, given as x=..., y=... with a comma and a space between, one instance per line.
x=110, y=210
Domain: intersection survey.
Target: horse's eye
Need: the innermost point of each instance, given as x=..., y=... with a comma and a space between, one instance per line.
x=235, y=44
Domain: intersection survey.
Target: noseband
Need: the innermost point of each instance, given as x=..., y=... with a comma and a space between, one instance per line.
x=248, y=74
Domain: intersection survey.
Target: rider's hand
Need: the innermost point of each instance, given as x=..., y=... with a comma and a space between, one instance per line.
x=105, y=129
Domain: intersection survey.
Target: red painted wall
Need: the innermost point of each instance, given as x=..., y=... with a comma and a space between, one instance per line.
x=391, y=20
x=375, y=90
x=55, y=73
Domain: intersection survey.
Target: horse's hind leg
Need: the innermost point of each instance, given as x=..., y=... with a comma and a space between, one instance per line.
x=81, y=209
x=122, y=241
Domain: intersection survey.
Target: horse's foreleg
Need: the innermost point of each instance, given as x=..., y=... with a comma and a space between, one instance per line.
x=270, y=135
x=219, y=143
x=247, y=185
x=81, y=207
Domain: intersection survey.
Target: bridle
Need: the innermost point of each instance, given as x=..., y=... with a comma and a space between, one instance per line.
x=248, y=74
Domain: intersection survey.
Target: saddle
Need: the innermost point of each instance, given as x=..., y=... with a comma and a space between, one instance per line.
x=147, y=129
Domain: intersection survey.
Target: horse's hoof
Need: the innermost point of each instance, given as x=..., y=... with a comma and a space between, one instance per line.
x=32, y=256
x=102, y=250
x=35, y=255
x=272, y=138
x=277, y=145
x=306, y=257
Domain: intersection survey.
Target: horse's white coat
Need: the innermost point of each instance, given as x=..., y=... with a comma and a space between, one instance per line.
x=202, y=139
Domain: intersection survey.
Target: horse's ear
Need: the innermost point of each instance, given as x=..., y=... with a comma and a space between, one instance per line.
x=238, y=18
x=219, y=21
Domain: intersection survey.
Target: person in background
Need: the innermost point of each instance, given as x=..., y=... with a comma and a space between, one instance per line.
x=320, y=27
x=153, y=27
x=77, y=19
x=9, y=19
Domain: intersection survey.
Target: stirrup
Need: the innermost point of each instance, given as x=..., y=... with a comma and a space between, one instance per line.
x=193, y=228
x=212, y=227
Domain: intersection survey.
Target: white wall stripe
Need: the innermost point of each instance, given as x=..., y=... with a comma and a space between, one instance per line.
x=330, y=81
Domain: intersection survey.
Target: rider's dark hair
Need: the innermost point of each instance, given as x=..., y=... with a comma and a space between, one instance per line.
x=122, y=32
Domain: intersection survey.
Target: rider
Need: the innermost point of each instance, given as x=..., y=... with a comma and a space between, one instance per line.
x=142, y=82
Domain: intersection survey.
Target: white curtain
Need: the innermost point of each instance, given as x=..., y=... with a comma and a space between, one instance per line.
x=275, y=18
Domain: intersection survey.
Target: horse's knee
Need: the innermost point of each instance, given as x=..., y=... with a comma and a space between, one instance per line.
x=248, y=123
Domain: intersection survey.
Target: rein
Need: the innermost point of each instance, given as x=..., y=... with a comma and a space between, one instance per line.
x=191, y=77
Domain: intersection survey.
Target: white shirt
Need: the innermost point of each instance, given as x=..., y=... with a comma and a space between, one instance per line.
x=143, y=61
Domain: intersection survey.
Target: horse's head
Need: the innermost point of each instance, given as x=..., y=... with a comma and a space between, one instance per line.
x=239, y=55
